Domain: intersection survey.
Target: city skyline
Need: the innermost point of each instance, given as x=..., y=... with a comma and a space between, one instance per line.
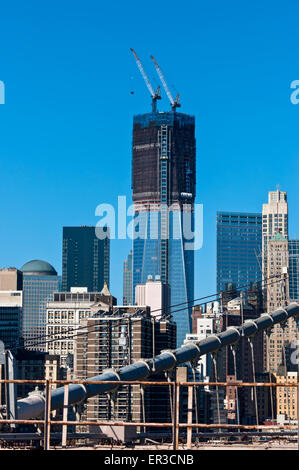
x=149, y=261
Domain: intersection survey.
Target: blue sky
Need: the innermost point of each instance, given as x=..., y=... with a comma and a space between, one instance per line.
x=66, y=127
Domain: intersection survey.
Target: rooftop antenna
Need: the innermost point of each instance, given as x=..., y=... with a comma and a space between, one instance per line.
x=154, y=94
x=175, y=103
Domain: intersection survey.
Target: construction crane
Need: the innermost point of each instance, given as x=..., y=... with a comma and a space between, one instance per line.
x=154, y=94
x=175, y=103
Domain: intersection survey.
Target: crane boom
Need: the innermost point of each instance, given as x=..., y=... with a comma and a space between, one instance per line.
x=174, y=102
x=154, y=94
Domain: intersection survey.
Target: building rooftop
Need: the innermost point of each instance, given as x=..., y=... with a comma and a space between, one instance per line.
x=37, y=266
x=278, y=237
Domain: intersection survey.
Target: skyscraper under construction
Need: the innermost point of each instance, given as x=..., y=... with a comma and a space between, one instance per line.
x=163, y=183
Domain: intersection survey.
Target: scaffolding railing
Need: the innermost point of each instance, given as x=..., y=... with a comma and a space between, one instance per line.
x=175, y=424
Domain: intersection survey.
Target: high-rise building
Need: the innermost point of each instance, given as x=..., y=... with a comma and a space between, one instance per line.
x=163, y=185
x=275, y=220
x=276, y=277
x=294, y=270
x=154, y=294
x=239, y=247
x=115, y=339
x=277, y=290
x=277, y=294
x=85, y=258
x=40, y=281
x=128, y=280
x=65, y=314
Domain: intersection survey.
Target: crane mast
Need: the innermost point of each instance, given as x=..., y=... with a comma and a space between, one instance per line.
x=175, y=103
x=154, y=94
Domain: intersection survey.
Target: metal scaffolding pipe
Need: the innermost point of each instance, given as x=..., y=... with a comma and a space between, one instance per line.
x=33, y=406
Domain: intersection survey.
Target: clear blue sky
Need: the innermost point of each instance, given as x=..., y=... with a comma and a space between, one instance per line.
x=66, y=127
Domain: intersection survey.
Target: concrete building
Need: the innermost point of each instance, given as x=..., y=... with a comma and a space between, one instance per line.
x=287, y=399
x=85, y=258
x=276, y=262
x=163, y=183
x=277, y=265
x=11, y=279
x=275, y=220
x=65, y=314
x=40, y=281
x=117, y=338
x=155, y=295
x=278, y=296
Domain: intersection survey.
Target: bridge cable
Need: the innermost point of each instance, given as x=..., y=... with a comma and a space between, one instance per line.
x=237, y=418
x=214, y=359
x=250, y=340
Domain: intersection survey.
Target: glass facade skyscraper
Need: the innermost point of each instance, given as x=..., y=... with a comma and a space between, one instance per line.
x=85, y=259
x=40, y=281
x=239, y=249
x=127, y=280
x=163, y=173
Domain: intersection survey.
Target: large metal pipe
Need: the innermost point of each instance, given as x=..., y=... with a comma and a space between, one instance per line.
x=33, y=406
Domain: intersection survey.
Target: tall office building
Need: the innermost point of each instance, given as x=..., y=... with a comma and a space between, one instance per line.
x=294, y=270
x=278, y=295
x=277, y=265
x=128, y=280
x=275, y=220
x=40, y=281
x=276, y=262
x=239, y=247
x=85, y=259
x=163, y=182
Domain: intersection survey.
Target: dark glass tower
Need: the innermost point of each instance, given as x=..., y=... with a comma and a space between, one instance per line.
x=163, y=183
x=239, y=249
x=85, y=259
